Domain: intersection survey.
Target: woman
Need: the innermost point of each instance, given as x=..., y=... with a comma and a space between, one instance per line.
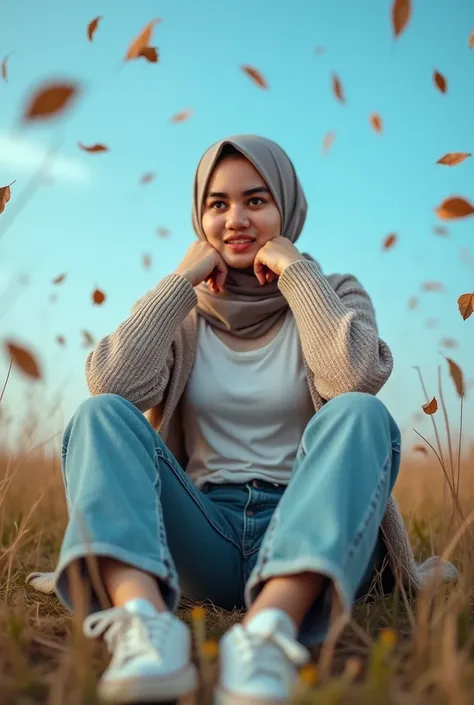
x=258, y=375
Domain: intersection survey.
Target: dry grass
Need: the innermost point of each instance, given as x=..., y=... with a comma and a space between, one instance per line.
x=44, y=659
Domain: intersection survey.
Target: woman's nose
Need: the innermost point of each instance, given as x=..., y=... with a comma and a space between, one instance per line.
x=237, y=218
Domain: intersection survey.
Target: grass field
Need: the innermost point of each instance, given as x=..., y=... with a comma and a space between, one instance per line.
x=397, y=650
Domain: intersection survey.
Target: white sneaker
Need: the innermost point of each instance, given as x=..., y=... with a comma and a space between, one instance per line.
x=258, y=661
x=151, y=653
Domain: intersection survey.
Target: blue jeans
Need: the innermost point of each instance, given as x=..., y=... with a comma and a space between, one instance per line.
x=129, y=499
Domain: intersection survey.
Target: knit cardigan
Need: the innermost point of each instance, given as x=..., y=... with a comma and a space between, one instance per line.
x=149, y=357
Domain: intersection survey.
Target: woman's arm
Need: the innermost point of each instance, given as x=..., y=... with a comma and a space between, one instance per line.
x=135, y=361
x=338, y=330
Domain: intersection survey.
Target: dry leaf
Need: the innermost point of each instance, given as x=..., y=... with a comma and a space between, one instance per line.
x=148, y=177
x=5, y=195
x=401, y=13
x=59, y=279
x=337, y=88
x=328, y=140
x=412, y=302
x=150, y=54
x=146, y=261
x=449, y=343
x=87, y=338
x=440, y=230
x=466, y=305
x=431, y=407
x=255, y=75
x=163, y=232
x=432, y=286
x=182, y=116
x=457, y=376
x=419, y=449
x=98, y=297
x=376, y=122
x=453, y=158
x=49, y=100
x=92, y=26
x=4, y=69
x=440, y=81
x=389, y=241
x=24, y=360
x=93, y=147
x=455, y=207
x=471, y=40
x=141, y=41
x=61, y=340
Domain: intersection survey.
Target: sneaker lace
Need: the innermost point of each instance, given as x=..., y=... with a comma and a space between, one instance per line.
x=269, y=645
x=126, y=633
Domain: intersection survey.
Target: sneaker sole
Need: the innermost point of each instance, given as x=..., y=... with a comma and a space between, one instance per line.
x=223, y=697
x=142, y=689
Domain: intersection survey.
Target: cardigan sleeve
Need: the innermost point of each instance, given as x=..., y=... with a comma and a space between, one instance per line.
x=338, y=330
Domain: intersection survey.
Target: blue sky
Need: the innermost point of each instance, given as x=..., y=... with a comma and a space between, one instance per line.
x=95, y=221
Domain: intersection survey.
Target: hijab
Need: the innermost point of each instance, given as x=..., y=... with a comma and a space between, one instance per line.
x=246, y=308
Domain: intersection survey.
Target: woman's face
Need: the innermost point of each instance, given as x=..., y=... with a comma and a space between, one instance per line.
x=238, y=204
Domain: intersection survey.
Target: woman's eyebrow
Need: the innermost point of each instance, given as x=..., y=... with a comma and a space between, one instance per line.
x=248, y=192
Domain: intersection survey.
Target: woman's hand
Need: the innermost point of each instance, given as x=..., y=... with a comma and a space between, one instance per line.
x=273, y=257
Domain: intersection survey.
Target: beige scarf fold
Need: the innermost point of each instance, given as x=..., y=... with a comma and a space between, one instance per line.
x=244, y=307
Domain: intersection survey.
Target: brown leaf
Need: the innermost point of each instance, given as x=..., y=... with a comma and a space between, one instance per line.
x=457, y=376
x=4, y=69
x=449, y=343
x=455, y=207
x=92, y=26
x=182, y=116
x=59, y=279
x=24, y=360
x=432, y=286
x=146, y=261
x=401, y=13
x=337, y=88
x=440, y=81
x=5, y=195
x=418, y=448
x=255, y=75
x=376, y=122
x=453, y=158
x=471, y=40
x=412, y=302
x=98, y=297
x=163, y=232
x=431, y=407
x=148, y=177
x=93, y=147
x=466, y=305
x=61, y=340
x=150, y=54
x=49, y=100
x=440, y=230
x=141, y=41
x=389, y=241
x=328, y=140
x=88, y=339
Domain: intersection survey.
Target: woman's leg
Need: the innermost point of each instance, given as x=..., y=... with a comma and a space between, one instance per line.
x=129, y=500
x=329, y=517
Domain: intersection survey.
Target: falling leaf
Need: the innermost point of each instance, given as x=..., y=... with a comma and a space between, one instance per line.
x=420, y=449
x=449, y=343
x=431, y=407
x=150, y=54
x=92, y=26
x=328, y=140
x=337, y=88
x=440, y=81
x=471, y=40
x=389, y=241
x=432, y=322
x=466, y=305
x=148, y=177
x=98, y=297
x=4, y=69
x=24, y=360
x=182, y=116
x=440, y=230
x=163, y=232
x=432, y=286
x=412, y=302
x=453, y=158
x=5, y=195
x=61, y=340
x=146, y=261
x=455, y=207
x=376, y=122
x=457, y=376
x=93, y=147
x=401, y=13
x=87, y=338
x=49, y=100
x=319, y=50
x=141, y=41
x=255, y=75
x=59, y=279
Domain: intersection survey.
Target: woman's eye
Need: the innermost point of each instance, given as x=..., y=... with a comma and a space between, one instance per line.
x=256, y=198
x=213, y=205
